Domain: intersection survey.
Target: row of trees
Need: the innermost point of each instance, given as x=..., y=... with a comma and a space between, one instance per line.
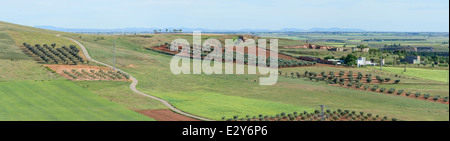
x=282, y=63
x=92, y=74
x=330, y=78
x=402, y=92
x=159, y=31
x=327, y=115
x=50, y=54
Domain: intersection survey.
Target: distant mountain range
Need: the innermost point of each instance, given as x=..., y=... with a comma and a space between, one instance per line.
x=150, y=30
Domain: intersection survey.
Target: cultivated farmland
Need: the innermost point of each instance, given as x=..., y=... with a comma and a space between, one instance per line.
x=215, y=96
x=211, y=96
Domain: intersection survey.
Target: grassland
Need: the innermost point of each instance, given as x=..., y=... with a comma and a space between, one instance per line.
x=436, y=75
x=214, y=96
x=30, y=91
x=120, y=93
x=58, y=101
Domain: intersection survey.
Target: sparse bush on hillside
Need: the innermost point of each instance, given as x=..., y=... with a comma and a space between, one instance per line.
x=342, y=80
x=374, y=88
x=382, y=90
x=350, y=84
x=369, y=80
x=391, y=90
x=408, y=94
x=380, y=79
x=400, y=92
x=436, y=98
x=341, y=74
x=426, y=96
x=366, y=87
x=418, y=94
x=359, y=85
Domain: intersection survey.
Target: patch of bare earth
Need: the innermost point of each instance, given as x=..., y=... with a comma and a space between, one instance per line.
x=165, y=115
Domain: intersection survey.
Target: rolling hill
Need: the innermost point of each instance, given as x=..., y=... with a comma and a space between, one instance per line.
x=210, y=96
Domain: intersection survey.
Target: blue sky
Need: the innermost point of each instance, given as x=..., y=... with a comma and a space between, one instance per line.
x=373, y=15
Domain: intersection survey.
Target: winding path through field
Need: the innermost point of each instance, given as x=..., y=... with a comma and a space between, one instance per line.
x=135, y=82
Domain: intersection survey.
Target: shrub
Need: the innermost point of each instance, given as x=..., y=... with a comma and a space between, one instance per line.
x=436, y=98
x=446, y=99
x=382, y=89
x=426, y=96
x=316, y=111
x=387, y=79
x=369, y=80
x=397, y=81
x=408, y=93
x=374, y=88
x=366, y=87
x=400, y=92
x=335, y=117
x=359, y=85
x=391, y=90
x=379, y=79
x=350, y=84
x=336, y=80
x=418, y=94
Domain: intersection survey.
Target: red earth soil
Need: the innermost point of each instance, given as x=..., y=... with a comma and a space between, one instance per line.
x=165, y=115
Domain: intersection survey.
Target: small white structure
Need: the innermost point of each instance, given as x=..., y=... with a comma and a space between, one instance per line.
x=338, y=62
x=363, y=62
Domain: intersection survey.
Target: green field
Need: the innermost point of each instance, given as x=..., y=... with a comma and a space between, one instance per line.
x=430, y=74
x=58, y=101
x=120, y=93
